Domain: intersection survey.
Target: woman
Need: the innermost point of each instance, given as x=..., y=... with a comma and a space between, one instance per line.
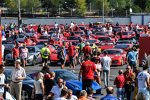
x=24, y=55
x=38, y=89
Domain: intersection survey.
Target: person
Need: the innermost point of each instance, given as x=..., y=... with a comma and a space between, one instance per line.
x=83, y=95
x=143, y=79
x=87, y=50
x=106, y=62
x=15, y=53
x=18, y=75
x=119, y=82
x=132, y=58
x=62, y=55
x=49, y=82
x=109, y=95
x=24, y=54
x=3, y=49
x=64, y=94
x=45, y=53
x=56, y=90
x=72, y=55
x=2, y=81
x=45, y=33
x=128, y=74
x=90, y=94
x=87, y=71
x=38, y=89
x=80, y=55
x=71, y=96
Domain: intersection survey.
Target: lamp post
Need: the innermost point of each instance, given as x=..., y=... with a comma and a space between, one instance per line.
x=103, y=12
x=19, y=14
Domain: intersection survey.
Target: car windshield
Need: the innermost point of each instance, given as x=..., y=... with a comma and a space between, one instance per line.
x=91, y=41
x=65, y=75
x=21, y=36
x=73, y=38
x=122, y=46
x=43, y=37
x=104, y=39
x=113, y=51
x=82, y=28
x=124, y=33
x=99, y=33
x=123, y=42
x=78, y=32
x=31, y=49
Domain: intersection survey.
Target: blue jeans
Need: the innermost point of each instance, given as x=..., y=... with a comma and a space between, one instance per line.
x=106, y=77
x=120, y=93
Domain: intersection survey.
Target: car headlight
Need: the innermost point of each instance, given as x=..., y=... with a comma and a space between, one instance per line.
x=31, y=57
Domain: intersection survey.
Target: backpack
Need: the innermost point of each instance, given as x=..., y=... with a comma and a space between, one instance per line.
x=46, y=53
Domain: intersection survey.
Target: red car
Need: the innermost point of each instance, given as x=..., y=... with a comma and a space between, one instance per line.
x=118, y=56
x=128, y=34
x=105, y=45
x=98, y=35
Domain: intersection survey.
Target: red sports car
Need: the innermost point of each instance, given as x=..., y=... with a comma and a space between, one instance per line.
x=118, y=56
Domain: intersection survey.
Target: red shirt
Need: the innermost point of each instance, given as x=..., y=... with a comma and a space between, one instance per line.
x=71, y=51
x=88, y=68
x=128, y=76
x=87, y=50
x=119, y=81
x=15, y=52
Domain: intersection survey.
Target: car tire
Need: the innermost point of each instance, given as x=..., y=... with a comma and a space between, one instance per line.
x=25, y=95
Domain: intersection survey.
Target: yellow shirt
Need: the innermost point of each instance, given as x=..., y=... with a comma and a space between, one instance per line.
x=43, y=50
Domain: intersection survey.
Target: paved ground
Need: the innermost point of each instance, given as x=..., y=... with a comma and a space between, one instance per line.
x=113, y=73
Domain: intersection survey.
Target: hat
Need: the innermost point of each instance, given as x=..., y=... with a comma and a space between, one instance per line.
x=87, y=43
x=18, y=61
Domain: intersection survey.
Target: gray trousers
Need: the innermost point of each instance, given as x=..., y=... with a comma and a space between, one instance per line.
x=16, y=89
x=106, y=77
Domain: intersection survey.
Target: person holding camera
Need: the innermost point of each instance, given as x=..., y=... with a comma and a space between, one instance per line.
x=56, y=90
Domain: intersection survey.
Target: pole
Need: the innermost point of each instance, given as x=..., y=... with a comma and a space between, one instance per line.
x=103, y=12
x=19, y=14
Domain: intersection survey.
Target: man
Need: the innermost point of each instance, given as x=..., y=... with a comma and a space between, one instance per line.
x=83, y=95
x=132, y=58
x=2, y=81
x=106, y=62
x=18, y=75
x=143, y=79
x=56, y=90
x=45, y=53
x=64, y=94
x=119, y=82
x=109, y=95
x=87, y=71
x=71, y=96
x=72, y=55
x=87, y=50
x=15, y=53
x=128, y=74
x=80, y=55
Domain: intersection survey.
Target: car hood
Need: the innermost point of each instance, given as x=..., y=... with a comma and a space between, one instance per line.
x=77, y=85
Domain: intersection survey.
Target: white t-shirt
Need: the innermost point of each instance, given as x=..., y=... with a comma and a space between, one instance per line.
x=56, y=25
x=98, y=67
x=73, y=97
x=61, y=98
x=71, y=25
x=3, y=48
x=142, y=76
x=57, y=91
x=106, y=62
x=148, y=24
x=2, y=81
x=38, y=88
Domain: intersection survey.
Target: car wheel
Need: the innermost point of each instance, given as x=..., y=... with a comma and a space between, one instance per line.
x=25, y=95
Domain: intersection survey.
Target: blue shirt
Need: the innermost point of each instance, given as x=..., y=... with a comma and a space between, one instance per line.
x=132, y=55
x=109, y=97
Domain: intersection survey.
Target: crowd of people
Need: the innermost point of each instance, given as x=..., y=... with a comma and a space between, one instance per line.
x=131, y=84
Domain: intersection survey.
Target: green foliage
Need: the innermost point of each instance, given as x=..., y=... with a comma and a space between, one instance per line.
x=80, y=7
x=136, y=9
x=147, y=9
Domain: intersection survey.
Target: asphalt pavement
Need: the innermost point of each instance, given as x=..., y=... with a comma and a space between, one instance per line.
x=113, y=74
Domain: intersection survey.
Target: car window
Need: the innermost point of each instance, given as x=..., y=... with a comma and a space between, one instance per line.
x=124, y=33
x=104, y=39
x=121, y=46
x=91, y=41
x=44, y=37
x=21, y=36
x=65, y=75
x=31, y=49
x=78, y=32
x=99, y=33
x=113, y=51
x=73, y=38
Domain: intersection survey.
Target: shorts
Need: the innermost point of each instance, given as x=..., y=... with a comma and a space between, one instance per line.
x=62, y=61
x=132, y=64
x=44, y=60
x=71, y=60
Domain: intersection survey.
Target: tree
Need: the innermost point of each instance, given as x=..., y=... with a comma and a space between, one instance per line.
x=141, y=4
x=25, y=4
x=80, y=7
x=147, y=9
